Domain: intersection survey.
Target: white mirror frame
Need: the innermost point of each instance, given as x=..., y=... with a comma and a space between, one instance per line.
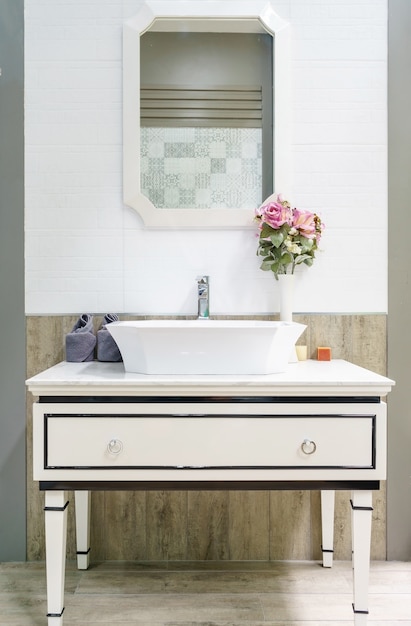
x=243, y=16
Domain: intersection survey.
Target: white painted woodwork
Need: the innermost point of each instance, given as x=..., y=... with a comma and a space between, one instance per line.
x=236, y=440
x=203, y=442
x=327, y=526
x=361, y=541
x=228, y=441
x=83, y=512
x=202, y=16
x=56, y=534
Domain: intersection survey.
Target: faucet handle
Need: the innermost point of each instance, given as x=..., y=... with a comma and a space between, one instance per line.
x=202, y=280
x=203, y=297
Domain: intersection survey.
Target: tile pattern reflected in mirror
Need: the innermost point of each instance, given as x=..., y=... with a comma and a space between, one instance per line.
x=199, y=168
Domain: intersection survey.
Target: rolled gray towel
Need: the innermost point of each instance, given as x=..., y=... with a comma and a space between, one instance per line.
x=107, y=349
x=81, y=341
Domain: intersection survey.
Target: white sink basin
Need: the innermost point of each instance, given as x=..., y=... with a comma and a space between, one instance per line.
x=205, y=346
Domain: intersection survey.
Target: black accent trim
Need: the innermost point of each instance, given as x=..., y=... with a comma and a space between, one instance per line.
x=56, y=508
x=199, y=485
x=359, y=612
x=360, y=508
x=56, y=614
x=83, y=551
x=374, y=442
x=212, y=399
x=324, y=550
x=172, y=468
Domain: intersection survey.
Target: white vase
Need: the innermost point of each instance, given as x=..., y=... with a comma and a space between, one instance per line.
x=286, y=284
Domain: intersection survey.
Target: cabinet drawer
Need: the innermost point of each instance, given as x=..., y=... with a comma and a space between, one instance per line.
x=209, y=441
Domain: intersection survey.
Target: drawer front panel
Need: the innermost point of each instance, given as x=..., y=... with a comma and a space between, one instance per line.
x=209, y=441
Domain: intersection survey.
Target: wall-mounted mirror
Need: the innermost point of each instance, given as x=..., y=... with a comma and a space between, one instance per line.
x=205, y=124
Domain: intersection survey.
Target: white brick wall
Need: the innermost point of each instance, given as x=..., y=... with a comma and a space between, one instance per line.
x=86, y=251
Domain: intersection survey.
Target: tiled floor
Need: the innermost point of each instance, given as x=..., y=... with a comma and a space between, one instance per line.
x=207, y=594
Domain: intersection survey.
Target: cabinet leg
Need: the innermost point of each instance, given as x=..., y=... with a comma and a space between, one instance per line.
x=327, y=527
x=56, y=533
x=83, y=507
x=361, y=505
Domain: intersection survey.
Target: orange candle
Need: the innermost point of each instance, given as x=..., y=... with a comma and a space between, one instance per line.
x=323, y=353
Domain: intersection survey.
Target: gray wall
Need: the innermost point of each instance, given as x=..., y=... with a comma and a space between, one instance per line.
x=399, y=267
x=12, y=346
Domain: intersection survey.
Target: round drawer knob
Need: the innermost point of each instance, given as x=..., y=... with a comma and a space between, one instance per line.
x=115, y=446
x=308, y=446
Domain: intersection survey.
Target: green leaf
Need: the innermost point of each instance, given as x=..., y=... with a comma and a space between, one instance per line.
x=267, y=265
x=303, y=258
x=286, y=258
x=264, y=251
x=277, y=238
x=267, y=231
x=309, y=261
x=305, y=244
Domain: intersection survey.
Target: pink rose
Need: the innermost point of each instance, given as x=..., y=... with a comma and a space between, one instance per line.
x=275, y=214
x=304, y=222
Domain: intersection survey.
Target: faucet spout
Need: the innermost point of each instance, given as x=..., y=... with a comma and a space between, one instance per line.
x=203, y=292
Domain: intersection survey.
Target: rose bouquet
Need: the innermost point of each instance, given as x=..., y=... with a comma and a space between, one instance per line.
x=287, y=237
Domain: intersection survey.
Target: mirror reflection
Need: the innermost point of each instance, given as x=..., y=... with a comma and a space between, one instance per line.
x=206, y=118
x=211, y=141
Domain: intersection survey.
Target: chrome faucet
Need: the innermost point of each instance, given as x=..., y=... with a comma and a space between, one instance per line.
x=203, y=297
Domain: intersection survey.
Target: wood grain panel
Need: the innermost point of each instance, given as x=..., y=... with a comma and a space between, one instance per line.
x=207, y=528
x=249, y=525
x=166, y=525
x=124, y=525
x=290, y=525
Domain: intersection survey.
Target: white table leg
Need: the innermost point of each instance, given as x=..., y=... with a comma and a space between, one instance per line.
x=56, y=535
x=361, y=504
x=83, y=503
x=327, y=526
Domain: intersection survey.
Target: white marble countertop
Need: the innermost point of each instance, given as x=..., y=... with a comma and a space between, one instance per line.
x=305, y=378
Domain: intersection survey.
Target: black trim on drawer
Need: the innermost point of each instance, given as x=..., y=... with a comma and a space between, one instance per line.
x=201, y=485
x=46, y=465
x=211, y=399
x=224, y=468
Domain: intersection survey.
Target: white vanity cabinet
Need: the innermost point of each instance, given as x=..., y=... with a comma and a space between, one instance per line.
x=317, y=426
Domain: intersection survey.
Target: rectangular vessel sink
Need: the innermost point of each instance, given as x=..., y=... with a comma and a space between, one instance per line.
x=205, y=346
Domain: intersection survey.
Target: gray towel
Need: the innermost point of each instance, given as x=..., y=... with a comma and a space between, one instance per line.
x=81, y=341
x=107, y=349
